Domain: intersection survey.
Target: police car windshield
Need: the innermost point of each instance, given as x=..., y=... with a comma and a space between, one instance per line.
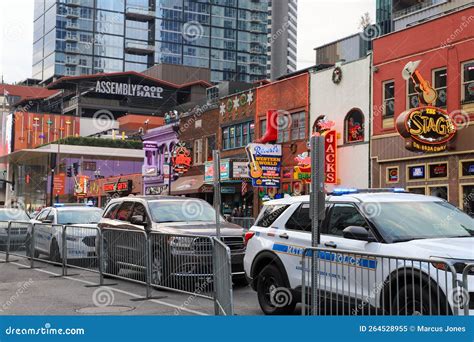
x=182, y=211
x=405, y=221
x=83, y=216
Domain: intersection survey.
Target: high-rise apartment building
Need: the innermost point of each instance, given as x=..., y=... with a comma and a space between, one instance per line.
x=282, y=37
x=76, y=37
x=394, y=15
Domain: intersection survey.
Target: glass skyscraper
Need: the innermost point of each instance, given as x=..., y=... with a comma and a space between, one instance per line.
x=77, y=37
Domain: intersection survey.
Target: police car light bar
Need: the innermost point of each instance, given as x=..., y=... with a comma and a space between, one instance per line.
x=59, y=205
x=340, y=192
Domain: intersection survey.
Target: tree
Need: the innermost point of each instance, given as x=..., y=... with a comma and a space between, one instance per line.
x=365, y=21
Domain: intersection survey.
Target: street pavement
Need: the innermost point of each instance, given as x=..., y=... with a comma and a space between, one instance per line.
x=42, y=291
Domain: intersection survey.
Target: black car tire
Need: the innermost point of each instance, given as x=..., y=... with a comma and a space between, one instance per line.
x=408, y=301
x=269, y=282
x=54, y=254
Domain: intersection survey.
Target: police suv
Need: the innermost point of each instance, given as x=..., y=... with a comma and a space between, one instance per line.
x=81, y=221
x=388, y=222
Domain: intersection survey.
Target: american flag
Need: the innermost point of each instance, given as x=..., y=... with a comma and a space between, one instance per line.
x=245, y=188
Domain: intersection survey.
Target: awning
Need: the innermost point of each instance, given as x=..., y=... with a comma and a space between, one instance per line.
x=190, y=185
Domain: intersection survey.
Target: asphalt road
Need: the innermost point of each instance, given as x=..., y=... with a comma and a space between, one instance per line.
x=41, y=291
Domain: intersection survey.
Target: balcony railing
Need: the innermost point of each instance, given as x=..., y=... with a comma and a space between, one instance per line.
x=140, y=13
x=139, y=48
x=72, y=13
x=416, y=7
x=72, y=49
x=71, y=61
x=73, y=2
x=71, y=37
x=72, y=26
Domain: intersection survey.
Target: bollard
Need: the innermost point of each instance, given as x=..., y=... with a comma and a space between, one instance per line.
x=7, y=252
x=64, y=250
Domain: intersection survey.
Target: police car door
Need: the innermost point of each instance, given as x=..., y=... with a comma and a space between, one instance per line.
x=41, y=231
x=344, y=274
x=296, y=237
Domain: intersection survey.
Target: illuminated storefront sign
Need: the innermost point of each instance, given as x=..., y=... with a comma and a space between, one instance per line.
x=181, y=159
x=125, y=89
x=123, y=186
x=426, y=129
x=330, y=166
x=265, y=164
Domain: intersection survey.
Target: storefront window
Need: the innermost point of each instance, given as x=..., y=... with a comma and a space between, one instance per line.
x=467, y=168
x=439, y=191
x=440, y=83
x=438, y=171
x=416, y=172
x=389, y=99
x=468, y=82
x=418, y=191
x=354, y=126
x=468, y=199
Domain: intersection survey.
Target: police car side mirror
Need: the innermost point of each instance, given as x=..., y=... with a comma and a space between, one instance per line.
x=358, y=233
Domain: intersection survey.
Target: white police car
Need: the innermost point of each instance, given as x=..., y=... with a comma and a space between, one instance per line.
x=81, y=221
x=389, y=222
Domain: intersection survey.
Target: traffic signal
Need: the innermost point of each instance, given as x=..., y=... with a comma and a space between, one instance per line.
x=69, y=171
x=75, y=167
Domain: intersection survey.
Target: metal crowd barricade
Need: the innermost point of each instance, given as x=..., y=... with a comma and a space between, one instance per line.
x=13, y=236
x=223, y=296
x=353, y=283
x=244, y=222
x=195, y=265
x=466, y=298
x=78, y=248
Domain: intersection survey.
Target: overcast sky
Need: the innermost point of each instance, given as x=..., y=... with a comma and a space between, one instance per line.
x=319, y=22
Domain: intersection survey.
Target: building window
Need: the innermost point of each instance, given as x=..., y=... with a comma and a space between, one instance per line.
x=413, y=101
x=393, y=174
x=417, y=190
x=466, y=168
x=467, y=199
x=291, y=127
x=354, y=126
x=197, y=152
x=468, y=82
x=210, y=147
x=438, y=171
x=238, y=136
x=90, y=166
x=389, y=99
x=440, y=84
x=440, y=191
x=416, y=172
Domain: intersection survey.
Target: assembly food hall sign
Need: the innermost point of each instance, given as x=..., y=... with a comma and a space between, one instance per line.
x=125, y=89
x=426, y=129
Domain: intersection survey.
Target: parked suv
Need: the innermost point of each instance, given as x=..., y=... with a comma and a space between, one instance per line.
x=187, y=254
x=392, y=223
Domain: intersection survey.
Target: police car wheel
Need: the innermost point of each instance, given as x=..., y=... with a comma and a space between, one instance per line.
x=273, y=296
x=410, y=301
x=54, y=252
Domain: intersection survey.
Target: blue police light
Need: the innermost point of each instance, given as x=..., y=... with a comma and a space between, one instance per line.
x=340, y=192
x=399, y=190
x=57, y=205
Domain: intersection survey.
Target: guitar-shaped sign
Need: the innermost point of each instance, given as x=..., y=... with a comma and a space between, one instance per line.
x=254, y=167
x=426, y=93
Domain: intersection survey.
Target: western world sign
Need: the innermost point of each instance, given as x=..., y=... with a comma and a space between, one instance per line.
x=125, y=89
x=426, y=129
